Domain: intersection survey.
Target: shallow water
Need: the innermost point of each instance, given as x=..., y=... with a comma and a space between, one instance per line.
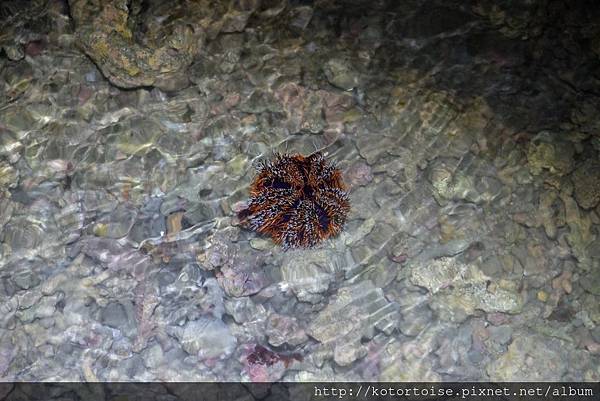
x=469, y=144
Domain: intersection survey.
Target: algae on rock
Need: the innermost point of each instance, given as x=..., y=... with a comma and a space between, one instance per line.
x=458, y=290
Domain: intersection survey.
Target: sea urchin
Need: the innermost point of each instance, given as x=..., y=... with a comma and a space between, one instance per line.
x=297, y=200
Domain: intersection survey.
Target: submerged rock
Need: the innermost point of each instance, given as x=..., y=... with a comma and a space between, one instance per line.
x=106, y=35
x=263, y=365
x=354, y=313
x=408, y=361
x=308, y=277
x=299, y=18
x=458, y=290
x=591, y=283
x=547, y=152
x=580, y=235
x=282, y=329
x=450, y=183
x=586, y=184
x=9, y=176
x=531, y=358
x=206, y=338
x=24, y=28
x=340, y=73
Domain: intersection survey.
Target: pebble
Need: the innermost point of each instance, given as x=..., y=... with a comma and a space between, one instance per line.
x=206, y=338
x=114, y=315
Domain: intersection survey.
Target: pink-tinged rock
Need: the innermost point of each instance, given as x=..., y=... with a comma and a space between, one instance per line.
x=593, y=347
x=263, y=365
x=370, y=366
x=84, y=94
x=359, y=174
x=35, y=47
x=497, y=318
x=231, y=100
x=335, y=107
x=283, y=329
x=292, y=97
x=239, y=275
x=241, y=279
x=210, y=362
x=480, y=332
x=239, y=206
x=60, y=165
x=226, y=104
x=399, y=258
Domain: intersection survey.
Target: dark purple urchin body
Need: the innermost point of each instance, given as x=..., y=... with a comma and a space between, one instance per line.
x=297, y=200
